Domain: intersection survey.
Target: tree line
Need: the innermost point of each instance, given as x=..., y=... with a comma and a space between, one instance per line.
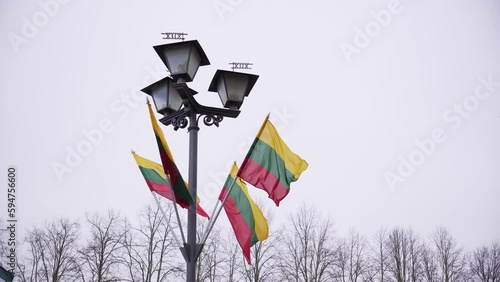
x=109, y=247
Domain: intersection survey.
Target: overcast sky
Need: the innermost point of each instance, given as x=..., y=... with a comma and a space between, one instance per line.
x=394, y=104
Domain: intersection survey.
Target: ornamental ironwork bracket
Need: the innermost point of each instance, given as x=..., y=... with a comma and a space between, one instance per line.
x=212, y=115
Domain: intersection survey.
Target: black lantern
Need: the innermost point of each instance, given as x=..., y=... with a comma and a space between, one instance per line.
x=232, y=87
x=182, y=58
x=166, y=98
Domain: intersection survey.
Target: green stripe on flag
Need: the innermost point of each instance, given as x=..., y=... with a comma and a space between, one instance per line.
x=5, y=276
x=152, y=175
x=243, y=205
x=267, y=157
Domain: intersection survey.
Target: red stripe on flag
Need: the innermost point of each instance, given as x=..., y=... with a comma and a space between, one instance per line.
x=241, y=229
x=169, y=165
x=260, y=177
x=160, y=188
x=164, y=191
x=201, y=211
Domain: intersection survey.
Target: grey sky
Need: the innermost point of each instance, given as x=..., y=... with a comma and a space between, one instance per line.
x=357, y=88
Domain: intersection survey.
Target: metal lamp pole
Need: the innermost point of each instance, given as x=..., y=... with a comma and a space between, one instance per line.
x=191, y=114
x=169, y=95
x=192, y=248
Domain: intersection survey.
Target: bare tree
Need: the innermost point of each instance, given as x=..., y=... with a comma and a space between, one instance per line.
x=264, y=259
x=485, y=264
x=449, y=256
x=307, y=250
x=53, y=251
x=8, y=249
x=264, y=254
x=429, y=265
x=352, y=263
x=404, y=249
x=303, y=250
x=380, y=256
x=397, y=246
x=3, y=245
x=414, y=247
x=233, y=261
x=209, y=261
x=147, y=249
x=100, y=254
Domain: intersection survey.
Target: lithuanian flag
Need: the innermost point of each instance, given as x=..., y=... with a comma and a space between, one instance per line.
x=270, y=164
x=157, y=180
x=249, y=224
x=182, y=195
x=5, y=276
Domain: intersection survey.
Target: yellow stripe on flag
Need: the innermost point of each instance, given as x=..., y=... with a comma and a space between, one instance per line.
x=269, y=135
x=261, y=228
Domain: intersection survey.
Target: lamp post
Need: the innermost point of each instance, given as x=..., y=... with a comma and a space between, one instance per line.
x=175, y=100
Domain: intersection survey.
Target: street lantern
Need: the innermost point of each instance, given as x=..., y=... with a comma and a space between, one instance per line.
x=170, y=94
x=232, y=87
x=166, y=98
x=182, y=58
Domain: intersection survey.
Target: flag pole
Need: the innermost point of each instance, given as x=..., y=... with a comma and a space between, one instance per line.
x=215, y=216
x=215, y=208
x=165, y=217
x=172, y=195
x=211, y=216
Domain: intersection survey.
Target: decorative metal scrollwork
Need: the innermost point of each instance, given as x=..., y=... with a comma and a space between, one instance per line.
x=180, y=122
x=210, y=119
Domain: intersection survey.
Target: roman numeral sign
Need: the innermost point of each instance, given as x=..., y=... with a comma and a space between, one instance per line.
x=241, y=66
x=174, y=35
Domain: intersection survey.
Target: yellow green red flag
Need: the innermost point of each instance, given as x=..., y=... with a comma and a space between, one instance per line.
x=158, y=182
x=182, y=195
x=270, y=165
x=248, y=222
